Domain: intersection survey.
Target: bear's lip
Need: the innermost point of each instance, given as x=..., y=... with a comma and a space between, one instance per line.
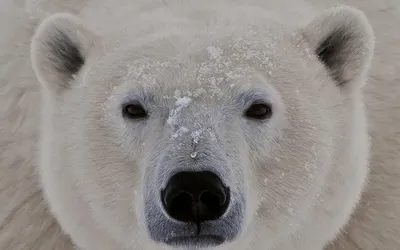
x=195, y=241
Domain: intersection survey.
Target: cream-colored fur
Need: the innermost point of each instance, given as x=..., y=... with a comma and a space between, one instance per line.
x=301, y=191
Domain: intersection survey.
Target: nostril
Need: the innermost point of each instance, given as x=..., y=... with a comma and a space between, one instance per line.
x=180, y=206
x=212, y=199
x=180, y=197
x=211, y=204
x=195, y=196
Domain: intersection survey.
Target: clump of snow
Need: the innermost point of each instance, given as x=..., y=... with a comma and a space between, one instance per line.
x=196, y=135
x=183, y=101
x=180, y=103
x=181, y=131
x=193, y=155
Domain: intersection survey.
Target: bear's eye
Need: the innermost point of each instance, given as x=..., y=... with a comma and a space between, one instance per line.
x=134, y=111
x=259, y=111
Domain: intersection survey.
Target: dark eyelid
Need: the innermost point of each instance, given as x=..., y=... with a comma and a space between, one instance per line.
x=254, y=96
x=141, y=97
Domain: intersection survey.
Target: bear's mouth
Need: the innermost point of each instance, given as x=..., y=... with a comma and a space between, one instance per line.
x=196, y=241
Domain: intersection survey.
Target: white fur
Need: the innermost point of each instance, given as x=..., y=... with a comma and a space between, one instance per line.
x=313, y=179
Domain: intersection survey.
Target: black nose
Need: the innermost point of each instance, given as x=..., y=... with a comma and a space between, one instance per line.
x=195, y=196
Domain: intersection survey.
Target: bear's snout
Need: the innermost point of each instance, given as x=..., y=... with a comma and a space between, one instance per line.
x=194, y=203
x=195, y=197
x=194, y=208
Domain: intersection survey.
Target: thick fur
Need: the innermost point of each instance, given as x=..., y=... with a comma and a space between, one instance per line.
x=320, y=174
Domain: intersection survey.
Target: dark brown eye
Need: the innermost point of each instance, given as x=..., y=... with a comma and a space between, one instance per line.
x=259, y=111
x=134, y=111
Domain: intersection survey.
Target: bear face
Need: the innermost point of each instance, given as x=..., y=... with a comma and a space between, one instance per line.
x=216, y=143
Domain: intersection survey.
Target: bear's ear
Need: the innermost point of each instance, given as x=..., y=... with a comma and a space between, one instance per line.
x=59, y=50
x=343, y=41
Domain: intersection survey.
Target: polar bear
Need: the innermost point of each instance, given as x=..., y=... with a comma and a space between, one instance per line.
x=193, y=125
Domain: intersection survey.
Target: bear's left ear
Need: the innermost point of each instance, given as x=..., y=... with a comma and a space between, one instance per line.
x=59, y=49
x=343, y=40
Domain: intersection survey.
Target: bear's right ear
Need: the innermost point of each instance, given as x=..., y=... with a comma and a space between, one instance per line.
x=59, y=49
x=343, y=41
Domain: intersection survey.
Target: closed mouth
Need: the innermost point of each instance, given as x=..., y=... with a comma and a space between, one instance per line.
x=197, y=241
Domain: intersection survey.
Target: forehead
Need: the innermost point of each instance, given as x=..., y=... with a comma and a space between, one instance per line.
x=222, y=66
